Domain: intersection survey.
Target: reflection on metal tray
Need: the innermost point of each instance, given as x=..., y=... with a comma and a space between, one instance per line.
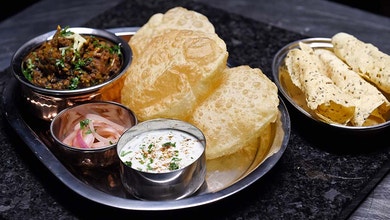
x=227, y=175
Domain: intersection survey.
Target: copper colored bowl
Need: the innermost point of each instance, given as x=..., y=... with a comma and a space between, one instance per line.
x=64, y=122
x=47, y=103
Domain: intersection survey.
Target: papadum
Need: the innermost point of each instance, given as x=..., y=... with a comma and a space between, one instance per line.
x=371, y=104
x=363, y=58
x=322, y=96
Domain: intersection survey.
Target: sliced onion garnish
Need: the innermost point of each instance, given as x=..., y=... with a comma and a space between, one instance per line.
x=98, y=133
x=108, y=132
x=69, y=139
x=79, y=141
x=97, y=118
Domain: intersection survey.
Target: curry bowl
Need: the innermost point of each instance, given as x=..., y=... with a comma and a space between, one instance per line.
x=296, y=97
x=162, y=159
x=88, y=67
x=86, y=135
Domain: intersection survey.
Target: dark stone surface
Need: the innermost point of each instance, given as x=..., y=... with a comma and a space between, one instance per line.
x=320, y=175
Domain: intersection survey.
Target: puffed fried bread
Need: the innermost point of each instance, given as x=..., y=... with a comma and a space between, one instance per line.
x=177, y=18
x=243, y=105
x=175, y=72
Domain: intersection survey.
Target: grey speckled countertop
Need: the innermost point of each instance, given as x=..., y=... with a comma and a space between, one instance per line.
x=316, y=178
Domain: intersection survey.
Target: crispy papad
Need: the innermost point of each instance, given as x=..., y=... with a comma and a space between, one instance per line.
x=322, y=96
x=243, y=105
x=178, y=18
x=371, y=105
x=176, y=71
x=363, y=58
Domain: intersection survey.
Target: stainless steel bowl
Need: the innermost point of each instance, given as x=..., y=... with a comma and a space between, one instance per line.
x=299, y=104
x=64, y=122
x=167, y=185
x=47, y=103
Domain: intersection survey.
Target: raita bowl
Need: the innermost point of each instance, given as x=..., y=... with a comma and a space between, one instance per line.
x=162, y=159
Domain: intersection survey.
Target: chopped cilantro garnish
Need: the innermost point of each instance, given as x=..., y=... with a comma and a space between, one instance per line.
x=84, y=123
x=66, y=32
x=60, y=63
x=174, y=164
x=124, y=153
x=27, y=72
x=169, y=144
x=74, y=83
x=81, y=63
x=116, y=49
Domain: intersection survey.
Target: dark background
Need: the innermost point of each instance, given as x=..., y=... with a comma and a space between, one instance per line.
x=12, y=7
x=380, y=7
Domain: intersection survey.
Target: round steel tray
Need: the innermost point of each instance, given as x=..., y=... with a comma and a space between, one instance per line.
x=97, y=189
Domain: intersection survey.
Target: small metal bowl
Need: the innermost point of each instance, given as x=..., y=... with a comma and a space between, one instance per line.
x=154, y=184
x=63, y=124
x=298, y=102
x=47, y=103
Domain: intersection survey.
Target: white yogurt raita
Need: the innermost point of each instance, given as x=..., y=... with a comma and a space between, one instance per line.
x=161, y=151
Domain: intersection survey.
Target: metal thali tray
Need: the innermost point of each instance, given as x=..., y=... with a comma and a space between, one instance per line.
x=103, y=185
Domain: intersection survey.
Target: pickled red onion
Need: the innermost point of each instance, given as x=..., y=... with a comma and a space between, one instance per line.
x=79, y=140
x=98, y=118
x=99, y=132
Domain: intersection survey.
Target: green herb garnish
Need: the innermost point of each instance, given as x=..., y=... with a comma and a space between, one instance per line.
x=174, y=164
x=124, y=153
x=169, y=144
x=66, y=32
x=27, y=72
x=84, y=123
x=74, y=82
x=60, y=63
x=116, y=49
x=150, y=148
x=81, y=63
x=128, y=163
